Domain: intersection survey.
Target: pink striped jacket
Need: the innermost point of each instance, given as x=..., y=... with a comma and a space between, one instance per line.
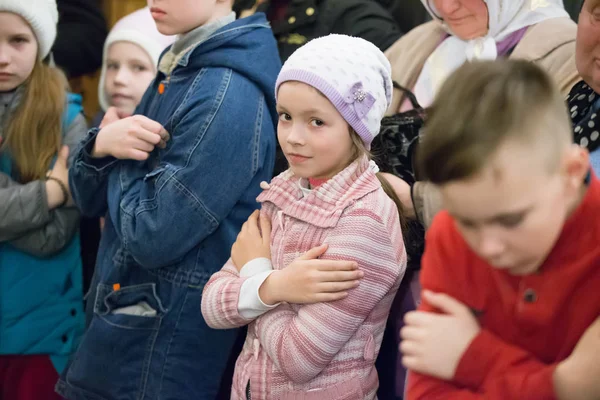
x=325, y=350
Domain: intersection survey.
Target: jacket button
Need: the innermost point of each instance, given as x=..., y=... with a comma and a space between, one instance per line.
x=530, y=296
x=64, y=338
x=73, y=312
x=292, y=20
x=310, y=11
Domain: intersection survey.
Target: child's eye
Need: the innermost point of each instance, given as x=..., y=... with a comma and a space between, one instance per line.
x=139, y=68
x=285, y=117
x=317, y=123
x=19, y=40
x=511, y=221
x=112, y=66
x=466, y=224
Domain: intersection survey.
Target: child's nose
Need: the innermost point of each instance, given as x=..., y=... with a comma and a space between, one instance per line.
x=490, y=246
x=4, y=56
x=296, y=135
x=122, y=75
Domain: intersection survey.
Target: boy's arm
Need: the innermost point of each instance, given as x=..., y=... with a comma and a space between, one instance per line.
x=212, y=158
x=520, y=385
x=88, y=177
x=490, y=368
x=303, y=343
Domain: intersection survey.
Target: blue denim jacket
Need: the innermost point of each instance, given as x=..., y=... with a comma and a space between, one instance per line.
x=172, y=219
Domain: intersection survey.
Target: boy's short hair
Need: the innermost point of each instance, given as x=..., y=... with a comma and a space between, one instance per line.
x=481, y=105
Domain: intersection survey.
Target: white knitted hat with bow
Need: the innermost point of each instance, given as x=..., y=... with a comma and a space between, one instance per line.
x=351, y=72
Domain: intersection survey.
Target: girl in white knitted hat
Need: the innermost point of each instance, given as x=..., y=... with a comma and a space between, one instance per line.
x=41, y=304
x=130, y=60
x=314, y=331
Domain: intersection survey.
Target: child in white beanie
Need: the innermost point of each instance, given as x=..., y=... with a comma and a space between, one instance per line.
x=130, y=61
x=315, y=333
x=41, y=299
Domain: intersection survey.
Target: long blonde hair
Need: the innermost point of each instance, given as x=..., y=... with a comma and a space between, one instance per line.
x=34, y=130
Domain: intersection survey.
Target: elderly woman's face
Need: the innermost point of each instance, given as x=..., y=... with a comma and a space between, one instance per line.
x=587, y=54
x=467, y=19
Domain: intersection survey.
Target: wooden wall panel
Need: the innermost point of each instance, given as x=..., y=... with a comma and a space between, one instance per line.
x=116, y=9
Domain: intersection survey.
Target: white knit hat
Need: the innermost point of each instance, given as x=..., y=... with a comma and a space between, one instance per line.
x=138, y=28
x=351, y=72
x=42, y=16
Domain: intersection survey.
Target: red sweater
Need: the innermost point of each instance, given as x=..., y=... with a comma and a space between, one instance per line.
x=529, y=323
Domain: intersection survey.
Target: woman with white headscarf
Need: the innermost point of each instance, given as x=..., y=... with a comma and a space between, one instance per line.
x=461, y=30
x=536, y=30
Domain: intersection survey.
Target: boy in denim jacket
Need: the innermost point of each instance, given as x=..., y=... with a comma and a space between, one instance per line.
x=175, y=183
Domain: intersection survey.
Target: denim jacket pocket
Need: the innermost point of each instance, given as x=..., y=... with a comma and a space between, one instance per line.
x=117, y=337
x=117, y=307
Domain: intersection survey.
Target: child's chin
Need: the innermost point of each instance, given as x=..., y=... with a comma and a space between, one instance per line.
x=522, y=270
x=166, y=29
x=300, y=172
x=125, y=110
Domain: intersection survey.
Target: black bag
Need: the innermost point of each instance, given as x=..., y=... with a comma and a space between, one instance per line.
x=395, y=147
x=394, y=150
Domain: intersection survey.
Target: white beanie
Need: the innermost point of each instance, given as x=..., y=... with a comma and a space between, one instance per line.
x=42, y=16
x=138, y=28
x=351, y=72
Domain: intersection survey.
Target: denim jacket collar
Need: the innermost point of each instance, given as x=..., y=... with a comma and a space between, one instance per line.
x=179, y=52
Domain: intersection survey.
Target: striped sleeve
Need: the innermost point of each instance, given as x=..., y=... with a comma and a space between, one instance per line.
x=220, y=299
x=221, y=295
x=302, y=344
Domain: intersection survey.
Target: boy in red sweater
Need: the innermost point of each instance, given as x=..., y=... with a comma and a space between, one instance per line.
x=511, y=271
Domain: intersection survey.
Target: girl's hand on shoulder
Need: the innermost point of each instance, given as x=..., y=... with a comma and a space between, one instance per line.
x=308, y=280
x=253, y=241
x=129, y=138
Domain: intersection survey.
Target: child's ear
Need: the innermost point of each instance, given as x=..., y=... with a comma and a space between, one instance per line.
x=576, y=165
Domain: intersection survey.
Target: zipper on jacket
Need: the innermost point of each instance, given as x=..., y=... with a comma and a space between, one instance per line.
x=162, y=86
x=8, y=107
x=281, y=221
